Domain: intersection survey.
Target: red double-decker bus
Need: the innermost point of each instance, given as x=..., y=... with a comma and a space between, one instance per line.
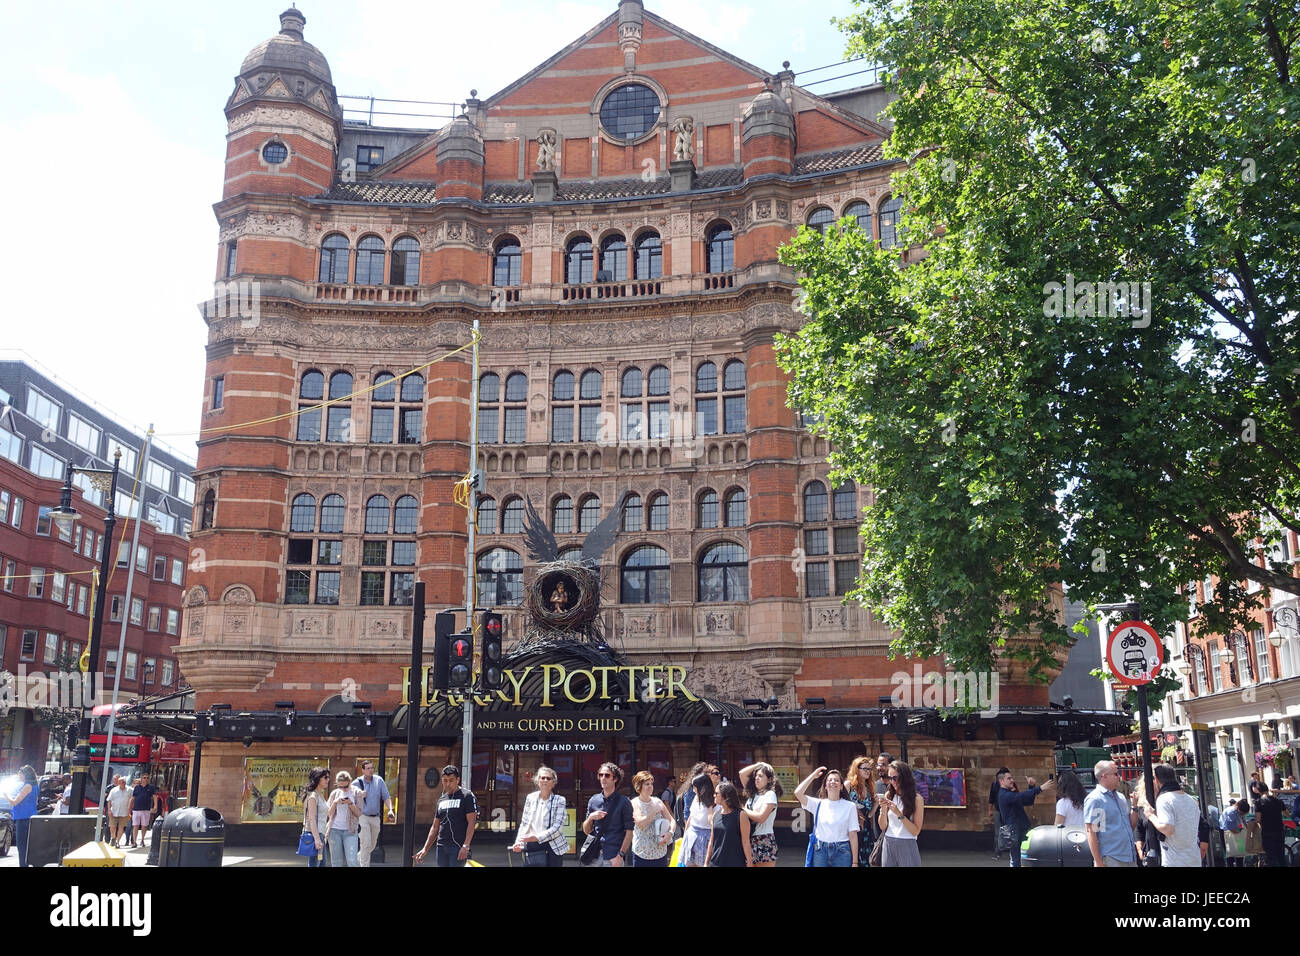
x=166, y=763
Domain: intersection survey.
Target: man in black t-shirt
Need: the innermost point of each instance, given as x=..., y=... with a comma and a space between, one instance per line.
x=453, y=825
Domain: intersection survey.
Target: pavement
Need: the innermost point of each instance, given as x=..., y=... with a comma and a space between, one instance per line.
x=491, y=853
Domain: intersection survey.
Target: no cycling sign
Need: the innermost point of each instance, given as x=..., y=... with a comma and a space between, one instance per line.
x=1134, y=653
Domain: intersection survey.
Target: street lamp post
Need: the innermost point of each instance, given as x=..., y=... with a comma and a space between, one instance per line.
x=64, y=516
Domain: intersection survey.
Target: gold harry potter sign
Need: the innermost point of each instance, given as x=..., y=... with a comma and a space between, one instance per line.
x=657, y=682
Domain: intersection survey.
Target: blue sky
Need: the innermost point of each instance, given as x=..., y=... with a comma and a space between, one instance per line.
x=115, y=136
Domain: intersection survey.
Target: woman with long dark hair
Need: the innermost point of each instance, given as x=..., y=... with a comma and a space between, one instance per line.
x=729, y=838
x=901, y=816
x=686, y=794
x=1069, y=808
x=316, y=814
x=762, y=790
x=699, y=822
x=835, y=820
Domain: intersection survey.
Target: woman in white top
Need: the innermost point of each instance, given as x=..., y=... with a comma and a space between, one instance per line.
x=761, y=793
x=1069, y=808
x=835, y=820
x=316, y=814
x=699, y=822
x=901, y=816
x=344, y=814
x=541, y=826
x=653, y=832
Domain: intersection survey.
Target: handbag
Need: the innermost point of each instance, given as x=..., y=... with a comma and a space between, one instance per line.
x=306, y=844
x=535, y=853
x=1006, y=838
x=812, y=838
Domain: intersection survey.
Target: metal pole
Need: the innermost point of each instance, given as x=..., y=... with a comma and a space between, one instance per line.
x=383, y=817
x=415, y=686
x=194, y=772
x=471, y=522
x=126, y=615
x=81, y=757
x=1145, y=730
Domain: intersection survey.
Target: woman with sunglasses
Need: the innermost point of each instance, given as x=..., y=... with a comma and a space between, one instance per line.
x=762, y=790
x=900, y=815
x=541, y=825
x=729, y=839
x=315, y=813
x=835, y=820
x=344, y=829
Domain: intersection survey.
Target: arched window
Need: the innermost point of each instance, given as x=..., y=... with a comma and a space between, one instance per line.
x=334, y=259
x=406, y=515
x=649, y=256
x=512, y=516
x=820, y=219
x=720, y=247
x=590, y=384
x=588, y=409
x=302, y=515
x=889, y=216
x=844, y=505
x=406, y=262
x=573, y=553
x=632, y=513
x=723, y=574
x=562, y=515
x=489, y=413
x=311, y=390
x=861, y=212
x=507, y=262
x=577, y=261
x=562, y=415
x=814, y=502
x=706, y=377
x=733, y=375
x=340, y=385
x=659, y=380
x=632, y=386
x=331, y=514
x=588, y=514
x=613, y=258
x=632, y=414
x=313, y=386
x=500, y=578
x=385, y=390
x=410, y=417
x=658, y=508
x=489, y=386
x=734, y=511
x=370, y=261
x=486, y=522
x=706, y=509
x=377, y=515
x=208, y=517
x=515, y=421
x=338, y=418
x=644, y=576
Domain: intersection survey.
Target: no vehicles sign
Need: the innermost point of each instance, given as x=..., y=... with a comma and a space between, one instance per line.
x=1134, y=653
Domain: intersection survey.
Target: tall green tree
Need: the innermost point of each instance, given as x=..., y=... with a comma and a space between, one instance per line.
x=1087, y=371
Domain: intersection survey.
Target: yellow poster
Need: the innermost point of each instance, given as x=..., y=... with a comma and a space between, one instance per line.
x=789, y=779
x=274, y=788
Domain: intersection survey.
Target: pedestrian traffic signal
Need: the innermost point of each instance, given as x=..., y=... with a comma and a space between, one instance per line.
x=493, y=676
x=460, y=659
x=444, y=625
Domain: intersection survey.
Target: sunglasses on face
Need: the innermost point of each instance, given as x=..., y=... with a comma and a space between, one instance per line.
x=604, y=775
x=892, y=777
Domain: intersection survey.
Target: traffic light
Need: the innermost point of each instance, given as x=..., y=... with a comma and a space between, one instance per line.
x=493, y=677
x=444, y=625
x=460, y=660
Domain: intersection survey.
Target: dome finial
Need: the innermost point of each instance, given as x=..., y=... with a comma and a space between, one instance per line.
x=291, y=22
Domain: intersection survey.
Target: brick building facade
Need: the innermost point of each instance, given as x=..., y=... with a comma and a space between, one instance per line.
x=612, y=219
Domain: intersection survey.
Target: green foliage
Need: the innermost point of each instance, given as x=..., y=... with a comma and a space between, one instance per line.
x=1014, y=440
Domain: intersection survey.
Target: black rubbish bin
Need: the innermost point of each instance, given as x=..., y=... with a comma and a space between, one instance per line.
x=192, y=836
x=155, y=838
x=1056, y=846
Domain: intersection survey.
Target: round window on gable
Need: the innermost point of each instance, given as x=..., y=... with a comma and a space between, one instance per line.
x=275, y=153
x=630, y=112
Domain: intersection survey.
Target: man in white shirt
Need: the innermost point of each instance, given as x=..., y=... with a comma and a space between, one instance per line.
x=1176, y=816
x=119, y=809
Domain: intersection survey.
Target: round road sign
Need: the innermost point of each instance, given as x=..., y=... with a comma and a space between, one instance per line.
x=1134, y=653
